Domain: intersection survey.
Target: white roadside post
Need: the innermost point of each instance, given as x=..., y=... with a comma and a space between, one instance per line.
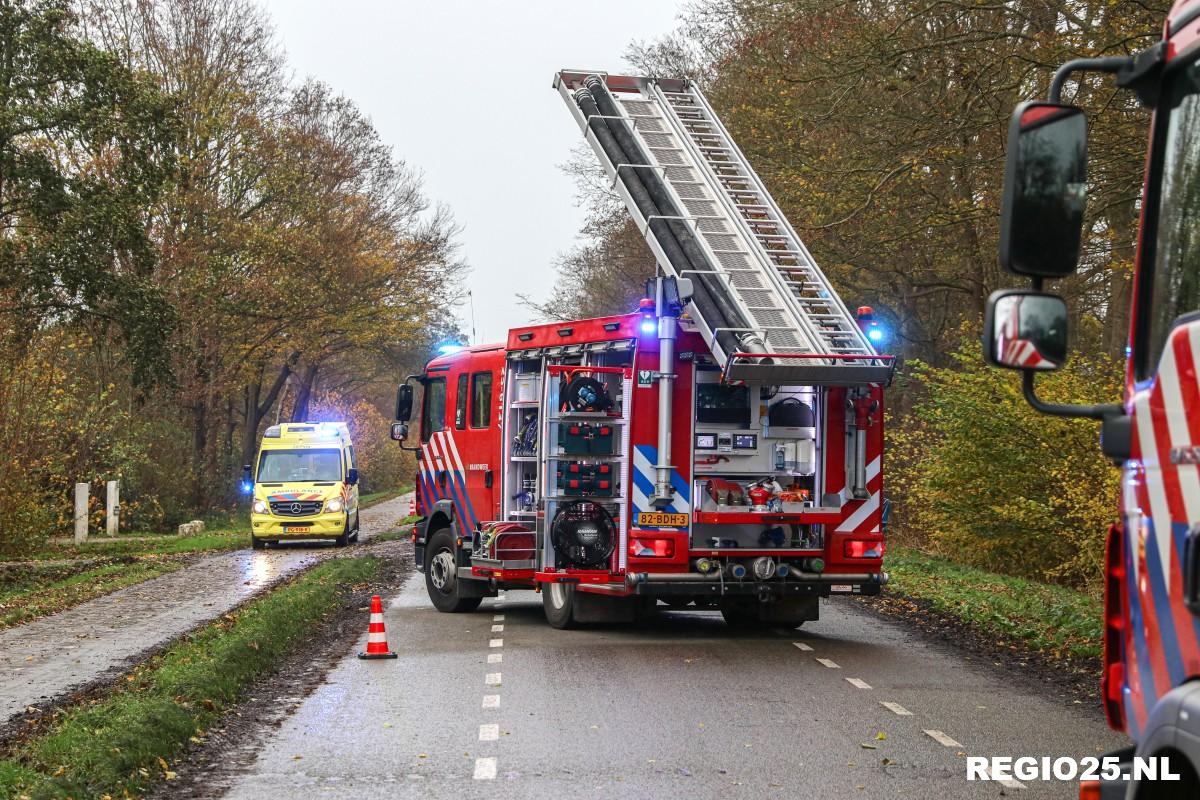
x=112, y=510
x=81, y=512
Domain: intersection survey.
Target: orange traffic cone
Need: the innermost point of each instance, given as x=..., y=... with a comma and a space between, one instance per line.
x=412, y=508
x=376, y=638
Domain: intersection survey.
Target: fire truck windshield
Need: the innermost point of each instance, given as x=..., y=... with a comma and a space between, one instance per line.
x=1176, y=251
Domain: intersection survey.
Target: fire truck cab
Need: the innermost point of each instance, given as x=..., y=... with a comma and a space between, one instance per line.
x=721, y=446
x=1151, y=681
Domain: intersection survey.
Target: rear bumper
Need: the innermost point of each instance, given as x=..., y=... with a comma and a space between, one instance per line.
x=320, y=526
x=695, y=584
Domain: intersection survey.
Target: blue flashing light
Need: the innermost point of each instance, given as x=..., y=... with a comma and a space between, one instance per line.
x=247, y=487
x=449, y=349
x=875, y=334
x=649, y=325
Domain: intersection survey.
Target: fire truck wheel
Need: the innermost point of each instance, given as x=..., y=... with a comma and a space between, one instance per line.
x=558, y=601
x=441, y=579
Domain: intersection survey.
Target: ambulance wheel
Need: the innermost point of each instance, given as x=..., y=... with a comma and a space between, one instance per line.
x=441, y=576
x=257, y=543
x=344, y=539
x=558, y=601
x=357, y=528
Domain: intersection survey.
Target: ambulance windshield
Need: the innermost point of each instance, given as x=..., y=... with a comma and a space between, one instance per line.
x=282, y=466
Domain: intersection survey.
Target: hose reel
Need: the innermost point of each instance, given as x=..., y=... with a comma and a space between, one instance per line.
x=584, y=535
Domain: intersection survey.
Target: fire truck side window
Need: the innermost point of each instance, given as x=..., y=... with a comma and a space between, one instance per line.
x=1176, y=277
x=481, y=399
x=460, y=403
x=433, y=411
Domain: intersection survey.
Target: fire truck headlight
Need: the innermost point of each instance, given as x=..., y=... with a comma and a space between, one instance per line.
x=334, y=505
x=260, y=507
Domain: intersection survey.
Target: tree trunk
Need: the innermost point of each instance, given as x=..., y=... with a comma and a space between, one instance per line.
x=304, y=395
x=255, y=411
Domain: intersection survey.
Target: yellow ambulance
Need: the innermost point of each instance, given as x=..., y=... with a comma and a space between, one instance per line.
x=304, y=484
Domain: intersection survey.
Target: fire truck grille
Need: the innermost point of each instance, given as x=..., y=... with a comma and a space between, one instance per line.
x=295, y=508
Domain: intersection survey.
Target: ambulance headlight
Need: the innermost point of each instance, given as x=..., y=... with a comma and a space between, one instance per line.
x=260, y=507
x=334, y=505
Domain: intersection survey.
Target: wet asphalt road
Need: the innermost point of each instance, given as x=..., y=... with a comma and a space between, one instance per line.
x=678, y=707
x=48, y=657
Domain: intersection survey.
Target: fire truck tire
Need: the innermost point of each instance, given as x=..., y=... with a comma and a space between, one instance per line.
x=558, y=601
x=441, y=580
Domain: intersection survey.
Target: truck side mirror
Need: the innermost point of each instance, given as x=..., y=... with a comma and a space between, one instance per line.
x=399, y=431
x=404, y=403
x=1045, y=190
x=1025, y=330
x=351, y=476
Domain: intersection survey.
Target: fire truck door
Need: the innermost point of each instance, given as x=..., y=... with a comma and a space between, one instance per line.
x=480, y=445
x=1162, y=508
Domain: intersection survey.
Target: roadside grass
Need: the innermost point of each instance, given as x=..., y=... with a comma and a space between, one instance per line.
x=123, y=742
x=1054, y=620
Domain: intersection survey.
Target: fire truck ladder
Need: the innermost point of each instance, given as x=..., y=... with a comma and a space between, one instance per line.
x=766, y=310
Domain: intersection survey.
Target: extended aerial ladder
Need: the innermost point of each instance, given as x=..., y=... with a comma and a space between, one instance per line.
x=763, y=305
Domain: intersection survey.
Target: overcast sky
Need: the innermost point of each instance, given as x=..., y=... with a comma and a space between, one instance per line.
x=462, y=91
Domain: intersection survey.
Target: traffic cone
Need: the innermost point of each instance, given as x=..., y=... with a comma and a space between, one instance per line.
x=412, y=508
x=376, y=638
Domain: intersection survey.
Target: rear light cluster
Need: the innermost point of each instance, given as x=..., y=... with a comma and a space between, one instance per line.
x=651, y=548
x=1112, y=679
x=863, y=548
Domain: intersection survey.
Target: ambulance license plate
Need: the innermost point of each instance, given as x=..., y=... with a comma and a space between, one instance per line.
x=659, y=519
x=295, y=529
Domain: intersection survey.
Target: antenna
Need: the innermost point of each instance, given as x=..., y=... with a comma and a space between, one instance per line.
x=471, y=299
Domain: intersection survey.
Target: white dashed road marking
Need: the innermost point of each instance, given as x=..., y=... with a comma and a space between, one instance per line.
x=858, y=683
x=1007, y=783
x=495, y=658
x=828, y=662
x=491, y=701
x=492, y=679
x=496, y=643
x=489, y=733
x=497, y=629
x=803, y=646
x=942, y=739
x=498, y=618
x=485, y=769
x=897, y=709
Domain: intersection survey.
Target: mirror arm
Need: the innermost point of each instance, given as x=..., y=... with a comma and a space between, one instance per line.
x=1109, y=64
x=1098, y=411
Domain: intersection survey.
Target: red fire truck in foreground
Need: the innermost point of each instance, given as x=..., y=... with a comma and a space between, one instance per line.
x=1150, y=687
x=719, y=447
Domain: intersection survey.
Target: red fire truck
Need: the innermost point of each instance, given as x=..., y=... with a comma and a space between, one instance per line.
x=719, y=447
x=1152, y=600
